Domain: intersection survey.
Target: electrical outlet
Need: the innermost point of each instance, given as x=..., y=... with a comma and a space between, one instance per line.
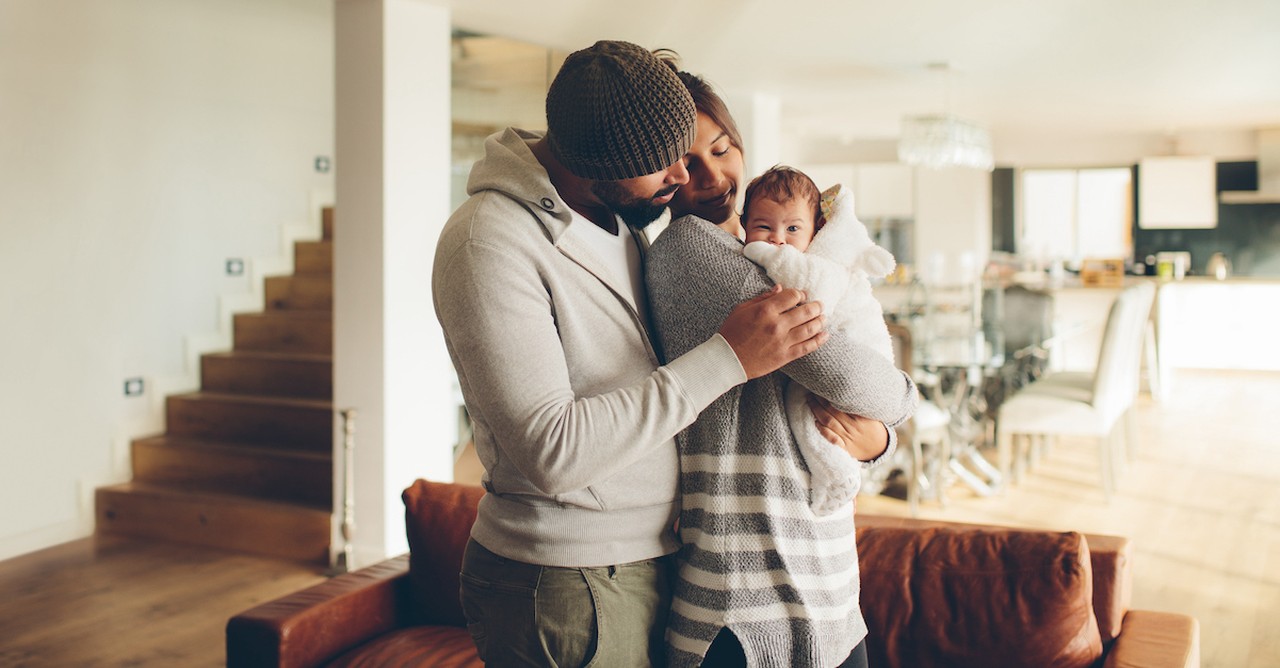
x=133, y=387
x=235, y=267
x=322, y=164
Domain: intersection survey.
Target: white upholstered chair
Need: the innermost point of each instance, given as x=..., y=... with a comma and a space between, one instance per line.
x=1082, y=403
x=929, y=427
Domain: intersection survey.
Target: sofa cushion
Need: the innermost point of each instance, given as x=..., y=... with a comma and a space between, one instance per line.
x=945, y=597
x=438, y=519
x=438, y=646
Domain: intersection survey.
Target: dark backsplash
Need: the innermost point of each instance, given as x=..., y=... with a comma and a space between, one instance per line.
x=1248, y=234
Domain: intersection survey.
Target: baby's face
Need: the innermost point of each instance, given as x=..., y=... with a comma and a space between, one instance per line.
x=779, y=223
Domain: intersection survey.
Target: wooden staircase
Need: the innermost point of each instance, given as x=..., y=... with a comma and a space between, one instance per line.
x=246, y=462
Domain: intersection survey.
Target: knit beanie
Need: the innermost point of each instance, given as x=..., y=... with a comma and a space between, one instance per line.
x=616, y=111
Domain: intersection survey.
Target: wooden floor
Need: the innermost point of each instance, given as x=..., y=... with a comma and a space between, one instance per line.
x=114, y=601
x=1202, y=504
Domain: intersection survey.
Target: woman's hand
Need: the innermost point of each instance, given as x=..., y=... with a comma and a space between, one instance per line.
x=864, y=439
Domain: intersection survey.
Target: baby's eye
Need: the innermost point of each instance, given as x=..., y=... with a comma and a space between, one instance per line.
x=793, y=228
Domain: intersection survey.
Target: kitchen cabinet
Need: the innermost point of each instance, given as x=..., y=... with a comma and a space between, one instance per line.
x=1177, y=192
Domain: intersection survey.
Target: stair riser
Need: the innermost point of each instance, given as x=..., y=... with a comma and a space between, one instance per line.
x=300, y=534
x=305, y=481
x=267, y=333
x=310, y=379
x=299, y=293
x=313, y=258
x=287, y=427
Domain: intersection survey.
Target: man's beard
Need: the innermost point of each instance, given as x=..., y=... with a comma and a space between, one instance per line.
x=637, y=213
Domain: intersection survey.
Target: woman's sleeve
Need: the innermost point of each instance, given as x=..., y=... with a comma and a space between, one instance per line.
x=706, y=277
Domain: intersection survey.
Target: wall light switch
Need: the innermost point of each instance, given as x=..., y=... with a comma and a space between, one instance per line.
x=133, y=387
x=322, y=164
x=235, y=267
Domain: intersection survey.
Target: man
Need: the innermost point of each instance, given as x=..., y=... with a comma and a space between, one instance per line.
x=539, y=290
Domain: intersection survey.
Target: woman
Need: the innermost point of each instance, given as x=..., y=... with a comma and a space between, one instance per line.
x=715, y=161
x=763, y=581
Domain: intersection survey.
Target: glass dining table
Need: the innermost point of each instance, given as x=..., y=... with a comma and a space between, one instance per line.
x=967, y=354
x=953, y=370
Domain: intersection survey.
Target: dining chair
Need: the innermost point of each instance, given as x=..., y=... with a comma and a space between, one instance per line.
x=928, y=427
x=1021, y=319
x=1024, y=317
x=1089, y=404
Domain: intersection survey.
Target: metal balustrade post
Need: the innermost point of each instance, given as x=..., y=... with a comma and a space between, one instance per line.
x=342, y=561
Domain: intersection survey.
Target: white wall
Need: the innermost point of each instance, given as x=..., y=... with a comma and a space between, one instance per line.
x=142, y=143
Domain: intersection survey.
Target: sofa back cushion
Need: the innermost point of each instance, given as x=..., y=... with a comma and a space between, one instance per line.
x=438, y=519
x=944, y=597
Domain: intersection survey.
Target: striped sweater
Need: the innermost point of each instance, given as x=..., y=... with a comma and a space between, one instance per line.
x=755, y=558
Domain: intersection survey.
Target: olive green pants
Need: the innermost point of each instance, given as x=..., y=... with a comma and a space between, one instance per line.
x=528, y=615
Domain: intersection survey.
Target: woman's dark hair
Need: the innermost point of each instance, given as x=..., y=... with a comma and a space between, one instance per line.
x=705, y=98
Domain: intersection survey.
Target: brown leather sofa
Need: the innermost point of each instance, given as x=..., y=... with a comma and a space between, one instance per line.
x=933, y=593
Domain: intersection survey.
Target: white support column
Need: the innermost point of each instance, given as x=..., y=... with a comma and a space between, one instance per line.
x=392, y=180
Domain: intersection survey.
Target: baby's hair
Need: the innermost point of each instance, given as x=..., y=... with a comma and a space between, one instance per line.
x=781, y=183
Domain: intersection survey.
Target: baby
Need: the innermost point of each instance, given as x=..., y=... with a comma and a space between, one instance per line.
x=782, y=215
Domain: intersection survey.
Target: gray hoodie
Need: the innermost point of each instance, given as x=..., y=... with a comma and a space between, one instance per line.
x=574, y=415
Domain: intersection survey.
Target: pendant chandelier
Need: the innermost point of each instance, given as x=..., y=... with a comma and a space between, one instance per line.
x=944, y=140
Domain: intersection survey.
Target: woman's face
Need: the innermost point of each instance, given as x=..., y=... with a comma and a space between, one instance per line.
x=715, y=170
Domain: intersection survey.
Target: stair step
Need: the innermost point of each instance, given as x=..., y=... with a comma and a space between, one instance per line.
x=298, y=477
x=272, y=374
x=326, y=223
x=228, y=522
x=313, y=258
x=290, y=424
x=284, y=332
x=299, y=293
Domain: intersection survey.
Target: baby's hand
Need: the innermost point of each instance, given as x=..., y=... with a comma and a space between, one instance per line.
x=762, y=252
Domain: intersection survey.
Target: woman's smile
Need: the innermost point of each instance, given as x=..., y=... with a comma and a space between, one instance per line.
x=718, y=200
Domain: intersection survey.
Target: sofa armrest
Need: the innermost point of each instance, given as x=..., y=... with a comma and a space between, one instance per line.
x=314, y=625
x=1151, y=639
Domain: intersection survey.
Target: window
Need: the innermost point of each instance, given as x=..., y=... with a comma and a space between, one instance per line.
x=1073, y=214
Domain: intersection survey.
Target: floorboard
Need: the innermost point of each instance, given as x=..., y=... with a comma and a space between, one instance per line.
x=113, y=601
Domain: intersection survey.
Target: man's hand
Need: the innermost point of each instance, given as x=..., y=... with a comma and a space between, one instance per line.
x=863, y=438
x=773, y=329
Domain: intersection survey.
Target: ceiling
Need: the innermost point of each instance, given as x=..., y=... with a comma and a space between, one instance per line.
x=849, y=70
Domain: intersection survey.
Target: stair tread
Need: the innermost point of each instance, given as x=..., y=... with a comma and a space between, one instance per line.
x=232, y=397
x=284, y=313
x=203, y=496
x=177, y=441
x=271, y=355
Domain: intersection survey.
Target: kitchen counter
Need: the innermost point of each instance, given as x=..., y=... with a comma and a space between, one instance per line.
x=1211, y=324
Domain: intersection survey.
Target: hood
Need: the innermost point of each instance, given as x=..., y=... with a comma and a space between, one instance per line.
x=1268, y=191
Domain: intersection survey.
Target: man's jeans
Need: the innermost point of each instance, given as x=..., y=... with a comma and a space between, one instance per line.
x=528, y=615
